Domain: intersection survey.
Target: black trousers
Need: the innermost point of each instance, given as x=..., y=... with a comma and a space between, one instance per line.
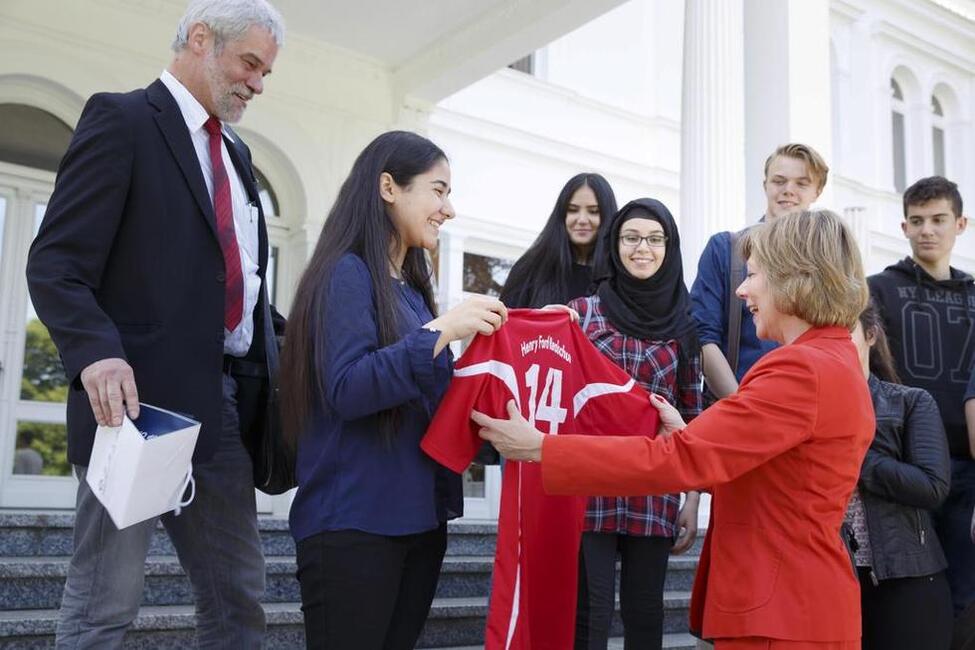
x=644, y=567
x=906, y=613
x=361, y=591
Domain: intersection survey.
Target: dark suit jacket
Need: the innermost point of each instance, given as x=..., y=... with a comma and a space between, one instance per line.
x=127, y=264
x=783, y=455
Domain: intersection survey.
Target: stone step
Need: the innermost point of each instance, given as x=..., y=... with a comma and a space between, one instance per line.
x=453, y=622
x=50, y=534
x=36, y=582
x=672, y=641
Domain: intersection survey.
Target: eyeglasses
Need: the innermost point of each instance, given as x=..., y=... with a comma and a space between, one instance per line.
x=655, y=240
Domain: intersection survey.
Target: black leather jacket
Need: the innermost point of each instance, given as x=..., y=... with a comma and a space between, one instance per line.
x=905, y=474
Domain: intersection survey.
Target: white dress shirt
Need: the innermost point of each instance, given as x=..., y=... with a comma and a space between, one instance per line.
x=237, y=342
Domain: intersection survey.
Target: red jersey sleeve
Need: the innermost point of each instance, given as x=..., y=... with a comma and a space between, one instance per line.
x=483, y=381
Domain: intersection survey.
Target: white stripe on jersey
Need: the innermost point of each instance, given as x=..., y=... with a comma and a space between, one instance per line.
x=499, y=369
x=591, y=391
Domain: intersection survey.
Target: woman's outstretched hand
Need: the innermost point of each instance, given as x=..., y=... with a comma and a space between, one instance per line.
x=670, y=419
x=514, y=438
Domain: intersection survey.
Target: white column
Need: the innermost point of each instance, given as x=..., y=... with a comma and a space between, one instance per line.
x=959, y=145
x=865, y=111
x=712, y=179
x=787, y=86
x=920, y=158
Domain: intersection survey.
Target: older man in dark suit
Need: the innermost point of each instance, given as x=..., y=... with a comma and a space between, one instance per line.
x=149, y=271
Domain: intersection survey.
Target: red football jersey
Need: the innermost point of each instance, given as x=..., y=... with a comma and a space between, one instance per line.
x=562, y=384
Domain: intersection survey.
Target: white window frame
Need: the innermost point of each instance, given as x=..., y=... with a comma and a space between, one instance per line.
x=24, y=188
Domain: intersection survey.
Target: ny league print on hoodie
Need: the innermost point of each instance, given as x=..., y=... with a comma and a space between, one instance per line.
x=929, y=325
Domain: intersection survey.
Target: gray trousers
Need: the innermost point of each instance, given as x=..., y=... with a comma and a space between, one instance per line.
x=217, y=541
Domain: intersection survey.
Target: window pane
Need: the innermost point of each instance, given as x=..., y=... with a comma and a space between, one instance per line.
x=936, y=106
x=484, y=274
x=42, y=448
x=900, y=166
x=269, y=200
x=42, y=378
x=32, y=137
x=938, y=139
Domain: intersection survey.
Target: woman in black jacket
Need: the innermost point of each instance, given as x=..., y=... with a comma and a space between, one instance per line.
x=906, y=602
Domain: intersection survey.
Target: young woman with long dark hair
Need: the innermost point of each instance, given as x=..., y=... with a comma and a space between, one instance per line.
x=904, y=594
x=557, y=267
x=363, y=369
x=640, y=318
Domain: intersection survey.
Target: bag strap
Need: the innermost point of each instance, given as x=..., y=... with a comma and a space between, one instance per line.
x=585, y=321
x=734, y=304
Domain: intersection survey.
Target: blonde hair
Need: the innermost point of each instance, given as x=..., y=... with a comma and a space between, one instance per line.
x=812, y=265
x=818, y=168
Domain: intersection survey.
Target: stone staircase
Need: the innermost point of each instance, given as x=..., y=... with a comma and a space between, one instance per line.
x=35, y=548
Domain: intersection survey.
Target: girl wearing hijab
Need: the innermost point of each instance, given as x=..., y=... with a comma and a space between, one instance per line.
x=639, y=317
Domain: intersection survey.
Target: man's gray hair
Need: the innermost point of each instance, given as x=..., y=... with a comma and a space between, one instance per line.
x=229, y=20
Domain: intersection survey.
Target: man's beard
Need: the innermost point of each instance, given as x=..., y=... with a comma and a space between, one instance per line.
x=225, y=101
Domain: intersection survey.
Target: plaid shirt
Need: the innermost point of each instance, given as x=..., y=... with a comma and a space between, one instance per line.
x=653, y=364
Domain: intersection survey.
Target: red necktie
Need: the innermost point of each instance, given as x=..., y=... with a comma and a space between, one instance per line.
x=224, y=211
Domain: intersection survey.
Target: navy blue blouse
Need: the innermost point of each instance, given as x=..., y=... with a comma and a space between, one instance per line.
x=349, y=477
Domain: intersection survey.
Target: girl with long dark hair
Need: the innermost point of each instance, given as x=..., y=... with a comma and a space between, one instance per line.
x=904, y=594
x=363, y=369
x=557, y=267
x=639, y=317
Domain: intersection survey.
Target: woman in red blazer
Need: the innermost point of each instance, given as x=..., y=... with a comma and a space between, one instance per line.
x=781, y=456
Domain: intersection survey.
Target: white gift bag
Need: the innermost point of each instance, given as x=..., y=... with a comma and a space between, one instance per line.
x=141, y=469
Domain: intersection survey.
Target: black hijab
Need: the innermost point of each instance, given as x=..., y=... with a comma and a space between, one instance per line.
x=657, y=308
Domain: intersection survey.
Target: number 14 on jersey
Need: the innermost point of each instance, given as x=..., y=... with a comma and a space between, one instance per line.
x=547, y=408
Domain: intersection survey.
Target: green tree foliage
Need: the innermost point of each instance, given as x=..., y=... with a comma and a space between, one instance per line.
x=50, y=441
x=484, y=274
x=43, y=380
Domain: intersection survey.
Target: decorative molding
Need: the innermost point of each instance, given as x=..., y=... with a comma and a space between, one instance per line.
x=502, y=135
x=45, y=94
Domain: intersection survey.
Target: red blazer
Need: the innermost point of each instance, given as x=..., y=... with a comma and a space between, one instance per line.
x=781, y=456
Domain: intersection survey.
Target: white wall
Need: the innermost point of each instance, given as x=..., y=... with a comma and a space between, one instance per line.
x=607, y=100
